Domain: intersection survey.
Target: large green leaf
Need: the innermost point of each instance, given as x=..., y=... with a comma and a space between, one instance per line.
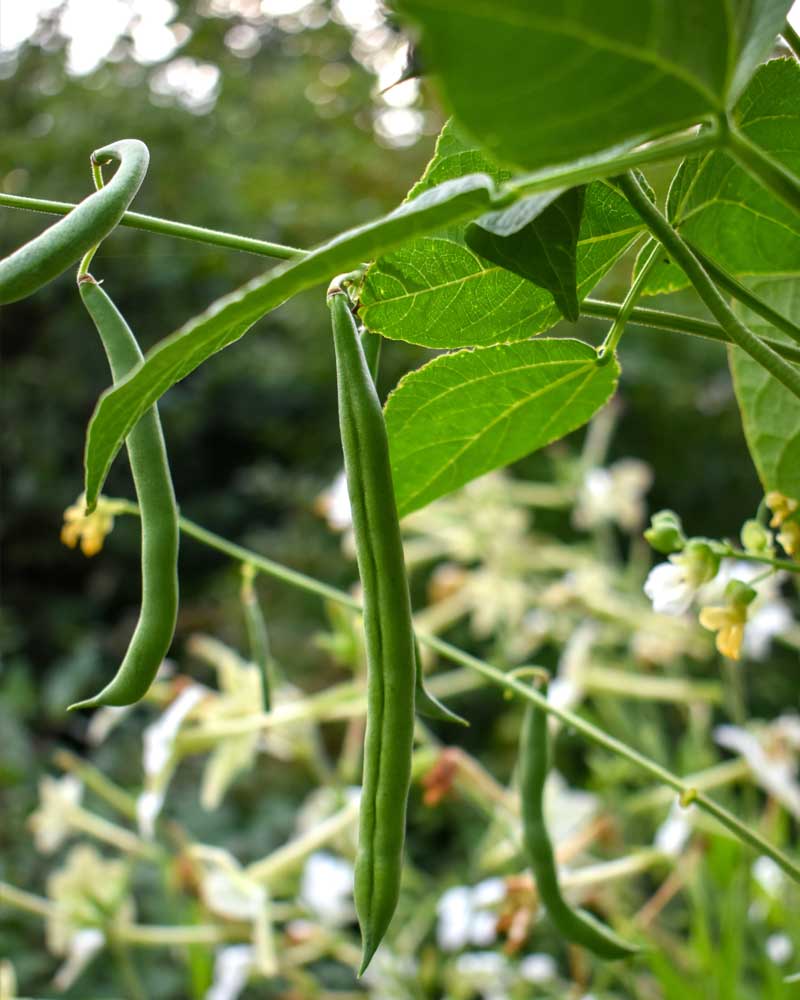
x=770, y=413
x=722, y=210
x=463, y=414
x=438, y=293
x=226, y=320
x=539, y=82
x=540, y=247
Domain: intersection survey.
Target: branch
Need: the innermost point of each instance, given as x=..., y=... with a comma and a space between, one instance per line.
x=657, y=319
x=785, y=373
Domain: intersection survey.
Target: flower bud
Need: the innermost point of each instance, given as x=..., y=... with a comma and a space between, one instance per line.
x=665, y=533
x=755, y=538
x=700, y=560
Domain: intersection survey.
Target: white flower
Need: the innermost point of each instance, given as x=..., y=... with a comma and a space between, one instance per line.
x=614, y=494
x=771, y=754
x=465, y=915
x=229, y=892
x=334, y=504
x=88, y=892
x=51, y=822
x=82, y=948
x=669, y=588
x=766, y=620
x=232, y=968
x=769, y=876
x=779, y=948
x=8, y=980
x=454, y=911
x=538, y=968
x=672, y=835
x=327, y=888
x=158, y=757
x=486, y=972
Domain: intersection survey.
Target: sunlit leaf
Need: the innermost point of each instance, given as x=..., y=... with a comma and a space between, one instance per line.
x=491, y=406
x=437, y=292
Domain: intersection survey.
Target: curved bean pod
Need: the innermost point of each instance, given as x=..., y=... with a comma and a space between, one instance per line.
x=577, y=926
x=391, y=666
x=159, y=513
x=63, y=244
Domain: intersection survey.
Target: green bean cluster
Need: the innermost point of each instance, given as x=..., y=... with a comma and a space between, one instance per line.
x=577, y=926
x=160, y=533
x=64, y=243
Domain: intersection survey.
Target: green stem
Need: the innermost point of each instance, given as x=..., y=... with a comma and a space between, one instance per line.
x=772, y=362
x=666, y=149
x=730, y=552
x=86, y=261
x=165, y=227
x=770, y=173
x=608, y=348
x=791, y=38
x=657, y=319
x=496, y=676
x=743, y=294
x=671, y=148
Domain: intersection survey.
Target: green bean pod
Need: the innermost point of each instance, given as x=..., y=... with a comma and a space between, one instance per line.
x=391, y=665
x=577, y=926
x=64, y=243
x=257, y=634
x=159, y=516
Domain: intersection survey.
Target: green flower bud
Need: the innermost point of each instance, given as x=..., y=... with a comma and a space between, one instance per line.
x=755, y=538
x=665, y=533
x=700, y=560
x=739, y=594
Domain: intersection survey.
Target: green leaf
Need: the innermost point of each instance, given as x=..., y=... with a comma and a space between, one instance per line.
x=539, y=82
x=543, y=249
x=770, y=413
x=491, y=406
x=227, y=319
x=719, y=208
x=438, y=293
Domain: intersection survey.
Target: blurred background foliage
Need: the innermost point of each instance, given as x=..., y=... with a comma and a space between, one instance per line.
x=265, y=120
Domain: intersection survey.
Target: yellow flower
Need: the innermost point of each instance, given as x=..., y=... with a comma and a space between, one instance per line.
x=729, y=624
x=789, y=537
x=88, y=529
x=782, y=507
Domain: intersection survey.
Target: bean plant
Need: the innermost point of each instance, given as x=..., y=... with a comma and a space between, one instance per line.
x=537, y=188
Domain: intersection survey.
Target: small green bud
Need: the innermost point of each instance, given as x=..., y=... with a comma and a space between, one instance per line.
x=739, y=594
x=665, y=533
x=756, y=539
x=702, y=563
